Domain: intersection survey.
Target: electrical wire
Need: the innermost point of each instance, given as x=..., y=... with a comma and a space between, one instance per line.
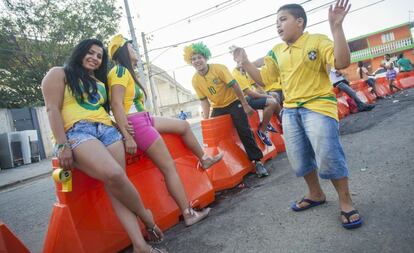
x=189, y=17
x=268, y=26
x=269, y=39
x=219, y=32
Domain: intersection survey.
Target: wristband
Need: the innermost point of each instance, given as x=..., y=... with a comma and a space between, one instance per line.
x=64, y=145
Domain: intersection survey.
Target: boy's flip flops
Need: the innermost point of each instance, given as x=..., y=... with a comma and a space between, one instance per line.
x=310, y=202
x=349, y=224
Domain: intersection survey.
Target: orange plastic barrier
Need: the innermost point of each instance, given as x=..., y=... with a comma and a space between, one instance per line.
x=336, y=90
x=268, y=151
x=382, y=89
x=9, y=243
x=407, y=82
x=343, y=107
x=219, y=135
x=370, y=96
x=354, y=84
x=83, y=220
x=361, y=96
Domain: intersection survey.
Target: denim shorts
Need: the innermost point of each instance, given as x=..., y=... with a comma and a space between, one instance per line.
x=257, y=103
x=84, y=130
x=312, y=142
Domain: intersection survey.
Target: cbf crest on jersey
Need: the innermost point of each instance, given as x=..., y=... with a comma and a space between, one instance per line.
x=216, y=81
x=312, y=54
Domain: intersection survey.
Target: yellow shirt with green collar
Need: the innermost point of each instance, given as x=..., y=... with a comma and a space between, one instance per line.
x=243, y=79
x=134, y=96
x=301, y=68
x=216, y=86
x=90, y=109
x=271, y=83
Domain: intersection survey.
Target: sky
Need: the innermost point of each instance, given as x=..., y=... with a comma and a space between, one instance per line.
x=149, y=15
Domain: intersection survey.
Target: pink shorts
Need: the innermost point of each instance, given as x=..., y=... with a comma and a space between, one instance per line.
x=145, y=132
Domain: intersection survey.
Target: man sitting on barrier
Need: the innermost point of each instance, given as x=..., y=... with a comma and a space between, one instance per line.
x=76, y=100
x=215, y=86
x=258, y=101
x=338, y=80
x=127, y=100
x=369, y=78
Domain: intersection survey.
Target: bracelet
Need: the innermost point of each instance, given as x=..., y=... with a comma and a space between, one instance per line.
x=63, y=146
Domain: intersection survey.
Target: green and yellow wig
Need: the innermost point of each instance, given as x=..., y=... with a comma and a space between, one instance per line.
x=196, y=48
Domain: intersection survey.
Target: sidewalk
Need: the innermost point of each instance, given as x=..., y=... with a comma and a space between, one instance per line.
x=14, y=176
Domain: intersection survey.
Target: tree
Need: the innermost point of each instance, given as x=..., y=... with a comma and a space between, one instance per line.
x=38, y=34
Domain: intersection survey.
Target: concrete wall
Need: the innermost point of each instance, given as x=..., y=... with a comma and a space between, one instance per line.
x=45, y=130
x=6, y=121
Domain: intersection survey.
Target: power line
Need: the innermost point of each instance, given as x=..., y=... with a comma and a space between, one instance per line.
x=268, y=26
x=314, y=24
x=266, y=40
x=213, y=12
x=189, y=17
x=219, y=32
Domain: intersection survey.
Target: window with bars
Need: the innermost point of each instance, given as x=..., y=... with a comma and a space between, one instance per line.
x=387, y=37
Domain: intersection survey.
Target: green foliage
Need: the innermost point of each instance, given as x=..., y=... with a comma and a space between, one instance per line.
x=38, y=34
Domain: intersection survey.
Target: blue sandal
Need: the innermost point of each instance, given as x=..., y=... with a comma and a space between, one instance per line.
x=310, y=202
x=349, y=224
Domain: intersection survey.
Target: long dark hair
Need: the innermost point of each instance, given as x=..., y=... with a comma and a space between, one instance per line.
x=76, y=74
x=121, y=57
x=360, y=65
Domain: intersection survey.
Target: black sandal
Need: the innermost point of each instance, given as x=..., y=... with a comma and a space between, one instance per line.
x=353, y=224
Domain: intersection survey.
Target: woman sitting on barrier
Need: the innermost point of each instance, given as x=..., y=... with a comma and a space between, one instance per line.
x=76, y=100
x=127, y=100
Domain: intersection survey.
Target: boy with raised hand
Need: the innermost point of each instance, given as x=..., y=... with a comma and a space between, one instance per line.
x=216, y=87
x=258, y=101
x=309, y=117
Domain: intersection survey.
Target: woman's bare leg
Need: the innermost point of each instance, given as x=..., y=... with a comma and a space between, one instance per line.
x=93, y=158
x=161, y=157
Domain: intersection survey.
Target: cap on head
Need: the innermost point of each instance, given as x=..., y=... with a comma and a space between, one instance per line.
x=116, y=43
x=196, y=48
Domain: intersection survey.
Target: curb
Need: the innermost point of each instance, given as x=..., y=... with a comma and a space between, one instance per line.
x=25, y=180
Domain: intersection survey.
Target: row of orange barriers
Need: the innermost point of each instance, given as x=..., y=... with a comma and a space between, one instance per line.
x=405, y=80
x=83, y=220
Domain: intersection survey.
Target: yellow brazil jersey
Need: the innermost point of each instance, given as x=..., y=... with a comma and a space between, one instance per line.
x=301, y=68
x=216, y=85
x=90, y=109
x=134, y=96
x=272, y=83
x=243, y=79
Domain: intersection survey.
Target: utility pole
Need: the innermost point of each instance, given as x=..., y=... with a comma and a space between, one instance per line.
x=139, y=63
x=153, y=94
x=176, y=89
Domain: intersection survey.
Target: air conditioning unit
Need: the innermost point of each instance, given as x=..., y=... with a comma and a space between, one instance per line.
x=10, y=150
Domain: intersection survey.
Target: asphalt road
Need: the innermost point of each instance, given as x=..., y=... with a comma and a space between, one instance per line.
x=257, y=218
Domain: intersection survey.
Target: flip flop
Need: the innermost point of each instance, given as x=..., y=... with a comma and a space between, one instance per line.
x=349, y=224
x=310, y=202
